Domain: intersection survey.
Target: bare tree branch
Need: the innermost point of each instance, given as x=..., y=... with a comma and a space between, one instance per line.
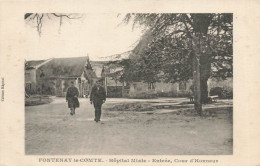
x=27, y=15
x=38, y=18
x=64, y=15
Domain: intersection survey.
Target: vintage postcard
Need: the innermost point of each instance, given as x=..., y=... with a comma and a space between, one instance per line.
x=129, y=83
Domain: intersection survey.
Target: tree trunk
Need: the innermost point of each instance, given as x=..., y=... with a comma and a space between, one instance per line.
x=196, y=83
x=201, y=23
x=204, y=90
x=123, y=89
x=205, y=68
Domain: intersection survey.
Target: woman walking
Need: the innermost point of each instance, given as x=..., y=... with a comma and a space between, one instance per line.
x=72, y=98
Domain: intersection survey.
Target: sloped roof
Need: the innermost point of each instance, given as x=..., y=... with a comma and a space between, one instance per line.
x=34, y=63
x=115, y=57
x=64, y=67
x=98, y=65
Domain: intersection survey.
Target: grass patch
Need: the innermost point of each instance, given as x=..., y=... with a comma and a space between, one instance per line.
x=143, y=95
x=132, y=107
x=183, y=109
x=37, y=100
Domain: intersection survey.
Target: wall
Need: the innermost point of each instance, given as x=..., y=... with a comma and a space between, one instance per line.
x=181, y=89
x=226, y=84
x=163, y=89
x=30, y=78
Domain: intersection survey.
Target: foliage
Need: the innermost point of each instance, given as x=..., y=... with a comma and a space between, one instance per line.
x=37, y=100
x=190, y=45
x=216, y=91
x=143, y=95
x=165, y=94
x=114, y=92
x=226, y=94
x=223, y=93
x=138, y=107
x=119, y=70
x=171, y=44
x=174, y=94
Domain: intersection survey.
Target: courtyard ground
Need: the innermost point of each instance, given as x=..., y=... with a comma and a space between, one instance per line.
x=164, y=126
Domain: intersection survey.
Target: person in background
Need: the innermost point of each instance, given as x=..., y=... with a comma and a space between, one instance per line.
x=98, y=97
x=72, y=98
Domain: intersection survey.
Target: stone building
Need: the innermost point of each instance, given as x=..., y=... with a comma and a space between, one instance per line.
x=53, y=77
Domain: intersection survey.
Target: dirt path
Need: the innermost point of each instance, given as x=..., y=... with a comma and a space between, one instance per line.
x=49, y=129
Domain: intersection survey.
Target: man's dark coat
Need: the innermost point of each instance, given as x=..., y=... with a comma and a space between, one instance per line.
x=98, y=95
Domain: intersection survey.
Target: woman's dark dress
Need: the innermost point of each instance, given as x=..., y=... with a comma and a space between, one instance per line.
x=73, y=101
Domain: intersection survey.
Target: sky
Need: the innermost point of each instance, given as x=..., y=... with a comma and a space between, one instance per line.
x=96, y=35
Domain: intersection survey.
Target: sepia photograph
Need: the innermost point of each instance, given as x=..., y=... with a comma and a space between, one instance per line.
x=128, y=84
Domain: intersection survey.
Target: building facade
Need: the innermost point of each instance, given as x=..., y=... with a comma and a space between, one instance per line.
x=53, y=77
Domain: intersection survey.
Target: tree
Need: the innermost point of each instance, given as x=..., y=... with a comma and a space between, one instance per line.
x=201, y=41
x=37, y=19
x=122, y=70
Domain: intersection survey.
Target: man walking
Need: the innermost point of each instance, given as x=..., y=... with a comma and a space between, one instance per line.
x=72, y=98
x=98, y=97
